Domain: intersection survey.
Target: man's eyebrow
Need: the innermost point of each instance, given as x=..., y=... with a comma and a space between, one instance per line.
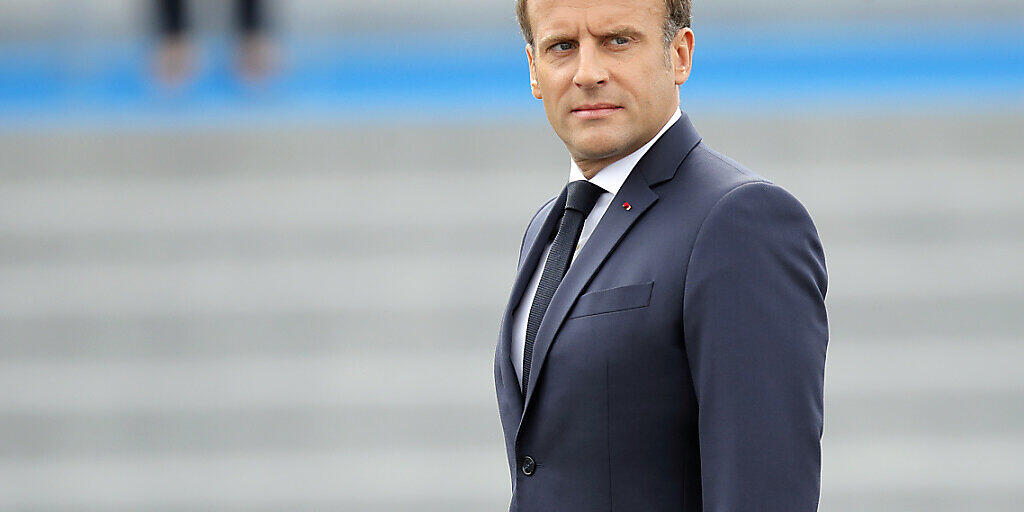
x=624, y=30
x=552, y=38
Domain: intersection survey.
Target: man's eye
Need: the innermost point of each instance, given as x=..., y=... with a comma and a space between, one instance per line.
x=620, y=40
x=562, y=47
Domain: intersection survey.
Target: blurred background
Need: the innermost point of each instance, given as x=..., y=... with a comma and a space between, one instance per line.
x=253, y=256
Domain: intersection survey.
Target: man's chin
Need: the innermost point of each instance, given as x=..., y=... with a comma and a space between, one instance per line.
x=597, y=148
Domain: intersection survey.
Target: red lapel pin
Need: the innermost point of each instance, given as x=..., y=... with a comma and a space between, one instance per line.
x=626, y=206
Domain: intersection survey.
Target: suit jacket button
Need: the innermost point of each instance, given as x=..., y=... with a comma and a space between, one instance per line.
x=528, y=465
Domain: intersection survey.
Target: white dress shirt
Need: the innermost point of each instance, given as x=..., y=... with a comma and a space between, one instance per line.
x=610, y=179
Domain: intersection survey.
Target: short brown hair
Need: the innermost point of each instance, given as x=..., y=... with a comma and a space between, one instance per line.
x=677, y=16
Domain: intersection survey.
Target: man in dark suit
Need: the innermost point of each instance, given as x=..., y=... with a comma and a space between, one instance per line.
x=663, y=347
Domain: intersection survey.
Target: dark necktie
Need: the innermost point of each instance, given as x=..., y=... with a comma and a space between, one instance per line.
x=580, y=199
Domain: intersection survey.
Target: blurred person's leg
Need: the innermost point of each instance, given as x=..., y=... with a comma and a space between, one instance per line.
x=256, y=52
x=175, y=56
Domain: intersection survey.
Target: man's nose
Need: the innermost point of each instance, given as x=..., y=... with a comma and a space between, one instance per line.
x=590, y=69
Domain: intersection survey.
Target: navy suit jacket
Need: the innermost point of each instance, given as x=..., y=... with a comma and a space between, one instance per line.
x=680, y=364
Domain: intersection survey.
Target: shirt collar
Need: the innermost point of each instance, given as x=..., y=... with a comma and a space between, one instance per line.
x=614, y=175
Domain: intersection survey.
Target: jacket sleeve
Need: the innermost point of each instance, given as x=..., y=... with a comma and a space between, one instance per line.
x=755, y=331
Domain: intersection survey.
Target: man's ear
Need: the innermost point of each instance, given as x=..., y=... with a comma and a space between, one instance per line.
x=534, y=86
x=682, y=54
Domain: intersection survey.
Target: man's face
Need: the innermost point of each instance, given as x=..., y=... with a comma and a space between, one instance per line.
x=607, y=80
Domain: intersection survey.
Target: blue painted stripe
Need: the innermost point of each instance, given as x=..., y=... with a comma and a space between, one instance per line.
x=484, y=75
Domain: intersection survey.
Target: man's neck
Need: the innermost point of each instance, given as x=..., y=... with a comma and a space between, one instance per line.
x=591, y=167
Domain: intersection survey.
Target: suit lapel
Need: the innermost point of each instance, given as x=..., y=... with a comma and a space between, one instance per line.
x=657, y=165
x=535, y=239
x=612, y=226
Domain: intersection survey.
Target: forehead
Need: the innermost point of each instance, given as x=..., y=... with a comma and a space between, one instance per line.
x=571, y=15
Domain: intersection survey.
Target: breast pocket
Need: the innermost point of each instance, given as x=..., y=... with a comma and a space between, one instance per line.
x=619, y=298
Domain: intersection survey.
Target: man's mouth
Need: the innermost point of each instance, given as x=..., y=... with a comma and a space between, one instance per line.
x=595, y=110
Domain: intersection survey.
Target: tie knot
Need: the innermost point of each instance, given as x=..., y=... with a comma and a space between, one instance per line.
x=582, y=195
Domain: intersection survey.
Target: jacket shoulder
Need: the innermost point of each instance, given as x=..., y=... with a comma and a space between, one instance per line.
x=729, y=175
x=712, y=182
x=720, y=171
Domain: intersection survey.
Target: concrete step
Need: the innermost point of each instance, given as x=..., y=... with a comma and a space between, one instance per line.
x=352, y=200
x=932, y=466
x=402, y=378
x=53, y=244
x=441, y=280
x=173, y=336
x=238, y=429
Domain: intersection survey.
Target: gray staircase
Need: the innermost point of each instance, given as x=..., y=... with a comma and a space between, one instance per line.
x=305, y=318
